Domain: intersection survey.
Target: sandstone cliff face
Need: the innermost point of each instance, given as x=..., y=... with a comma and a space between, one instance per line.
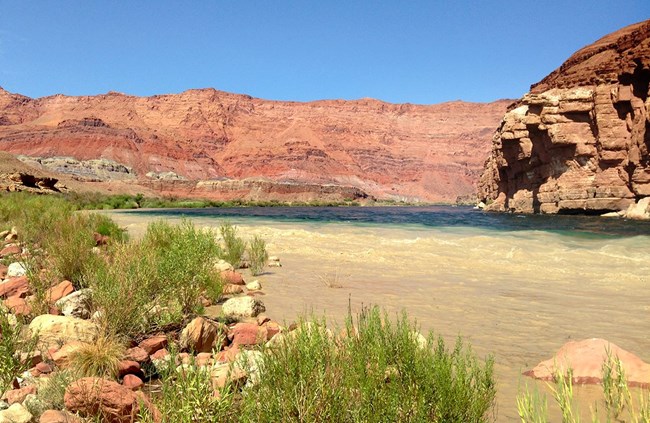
x=579, y=142
x=429, y=153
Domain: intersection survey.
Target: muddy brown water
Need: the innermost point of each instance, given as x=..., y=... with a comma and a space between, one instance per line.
x=516, y=295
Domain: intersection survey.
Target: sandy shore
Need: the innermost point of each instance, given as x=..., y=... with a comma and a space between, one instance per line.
x=516, y=295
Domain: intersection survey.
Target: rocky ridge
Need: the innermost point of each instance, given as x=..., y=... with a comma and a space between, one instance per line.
x=579, y=142
x=391, y=151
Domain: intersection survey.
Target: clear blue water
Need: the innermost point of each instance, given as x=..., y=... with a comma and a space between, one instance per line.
x=431, y=216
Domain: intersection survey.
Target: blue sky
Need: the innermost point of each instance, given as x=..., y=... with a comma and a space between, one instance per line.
x=413, y=51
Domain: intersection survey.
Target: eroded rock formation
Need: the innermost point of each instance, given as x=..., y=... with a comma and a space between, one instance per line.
x=579, y=142
x=398, y=151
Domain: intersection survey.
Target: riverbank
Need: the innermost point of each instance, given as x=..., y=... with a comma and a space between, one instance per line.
x=519, y=295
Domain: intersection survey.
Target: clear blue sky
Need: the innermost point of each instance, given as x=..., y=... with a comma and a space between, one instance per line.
x=399, y=51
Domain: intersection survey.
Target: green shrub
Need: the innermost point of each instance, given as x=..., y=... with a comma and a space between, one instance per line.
x=12, y=344
x=379, y=372
x=125, y=289
x=53, y=390
x=257, y=255
x=234, y=246
x=184, y=262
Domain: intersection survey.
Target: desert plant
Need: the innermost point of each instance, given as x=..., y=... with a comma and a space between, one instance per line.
x=532, y=406
x=188, y=396
x=184, y=255
x=234, y=246
x=377, y=372
x=52, y=391
x=100, y=358
x=333, y=279
x=12, y=344
x=257, y=255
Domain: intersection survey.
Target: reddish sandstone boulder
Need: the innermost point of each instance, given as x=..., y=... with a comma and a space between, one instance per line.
x=132, y=382
x=18, y=395
x=128, y=367
x=43, y=368
x=248, y=334
x=202, y=335
x=18, y=306
x=10, y=250
x=153, y=344
x=59, y=291
x=159, y=355
x=136, y=354
x=15, y=287
x=232, y=277
x=62, y=356
x=586, y=359
x=111, y=401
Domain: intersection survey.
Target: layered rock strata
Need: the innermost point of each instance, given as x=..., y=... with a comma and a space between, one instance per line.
x=579, y=142
x=395, y=151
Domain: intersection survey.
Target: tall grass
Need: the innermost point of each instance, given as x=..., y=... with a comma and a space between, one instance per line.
x=234, y=246
x=257, y=255
x=12, y=343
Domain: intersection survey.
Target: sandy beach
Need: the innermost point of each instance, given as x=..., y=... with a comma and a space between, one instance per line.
x=517, y=295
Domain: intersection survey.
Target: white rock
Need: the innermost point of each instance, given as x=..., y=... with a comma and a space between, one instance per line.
x=222, y=266
x=242, y=307
x=16, y=413
x=76, y=304
x=251, y=362
x=16, y=269
x=254, y=285
x=56, y=330
x=640, y=210
x=274, y=258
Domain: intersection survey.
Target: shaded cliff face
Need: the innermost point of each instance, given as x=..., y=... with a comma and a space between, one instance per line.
x=579, y=142
x=430, y=153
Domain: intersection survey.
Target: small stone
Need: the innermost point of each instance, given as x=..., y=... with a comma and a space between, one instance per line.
x=202, y=335
x=231, y=277
x=76, y=304
x=254, y=285
x=137, y=354
x=16, y=413
x=242, y=307
x=222, y=266
x=18, y=395
x=59, y=291
x=230, y=289
x=132, y=382
x=56, y=416
x=128, y=367
x=153, y=344
x=16, y=269
x=44, y=368
x=14, y=287
x=10, y=250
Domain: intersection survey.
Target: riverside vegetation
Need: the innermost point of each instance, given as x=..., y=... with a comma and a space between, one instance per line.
x=135, y=341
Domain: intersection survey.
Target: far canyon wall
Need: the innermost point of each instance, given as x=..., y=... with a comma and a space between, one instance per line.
x=171, y=142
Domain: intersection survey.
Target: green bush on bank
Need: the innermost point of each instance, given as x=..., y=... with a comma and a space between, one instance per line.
x=380, y=371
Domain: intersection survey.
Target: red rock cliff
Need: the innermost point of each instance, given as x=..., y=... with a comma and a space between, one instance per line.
x=579, y=142
x=431, y=153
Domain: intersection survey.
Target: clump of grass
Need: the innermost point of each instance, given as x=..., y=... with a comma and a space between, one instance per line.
x=12, y=344
x=234, y=246
x=100, y=358
x=257, y=255
x=333, y=280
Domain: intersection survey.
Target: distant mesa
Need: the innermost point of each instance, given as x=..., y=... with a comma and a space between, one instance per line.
x=579, y=142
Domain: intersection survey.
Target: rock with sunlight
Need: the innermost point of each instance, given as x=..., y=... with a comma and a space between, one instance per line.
x=586, y=359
